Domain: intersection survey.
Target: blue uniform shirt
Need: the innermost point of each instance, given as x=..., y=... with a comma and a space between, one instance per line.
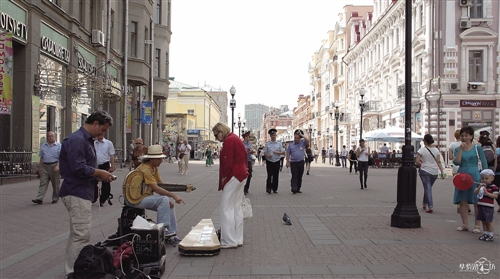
x=273, y=146
x=50, y=154
x=297, y=150
x=248, y=147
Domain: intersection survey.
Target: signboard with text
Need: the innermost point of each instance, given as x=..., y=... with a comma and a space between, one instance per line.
x=475, y=103
x=6, y=68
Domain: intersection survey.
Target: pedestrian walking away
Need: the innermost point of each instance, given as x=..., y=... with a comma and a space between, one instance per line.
x=232, y=176
x=323, y=155
x=331, y=151
x=295, y=159
x=343, y=155
x=186, y=151
x=156, y=198
x=48, y=168
x=467, y=156
x=105, y=152
x=78, y=164
x=486, y=193
x=250, y=151
x=429, y=163
x=316, y=154
x=273, y=151
x=208, y=154
x=309, y=158
x=362, y=153
x=353, y=160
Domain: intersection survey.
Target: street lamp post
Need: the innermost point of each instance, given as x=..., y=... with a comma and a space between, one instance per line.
x=239, y=124
x=405, y=214
x=362, y=92
x=337, y=114
x=232, y=105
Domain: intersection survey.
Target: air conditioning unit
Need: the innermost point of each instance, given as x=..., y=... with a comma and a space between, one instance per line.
x=454, y=86
x=98, y=37
x=465, y=23
x=475, y=86
x=465, y=3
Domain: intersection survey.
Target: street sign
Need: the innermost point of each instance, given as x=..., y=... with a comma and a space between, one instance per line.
x=148, y=42
x=147, y=113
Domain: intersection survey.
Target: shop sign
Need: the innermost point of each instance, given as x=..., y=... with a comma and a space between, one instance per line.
x=55, y=49
x=473, y=103
x=10, y=24
x=451, y=103
x=193, y=132
x=147, y=112
x=86, y=66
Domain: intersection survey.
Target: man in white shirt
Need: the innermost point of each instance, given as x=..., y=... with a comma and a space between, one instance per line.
x=344, y=153
x=331, y=155
x=186, y=150
x=105, y=152
x=384, y=149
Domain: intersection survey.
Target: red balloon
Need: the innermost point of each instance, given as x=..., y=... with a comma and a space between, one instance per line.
x=463, y=181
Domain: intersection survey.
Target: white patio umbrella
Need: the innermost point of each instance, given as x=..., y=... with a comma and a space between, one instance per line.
x=393, y=134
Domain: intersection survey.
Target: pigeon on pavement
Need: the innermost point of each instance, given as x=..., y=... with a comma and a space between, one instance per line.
x=286, y=219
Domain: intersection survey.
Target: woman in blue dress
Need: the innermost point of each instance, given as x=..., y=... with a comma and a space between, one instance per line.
x=466, y=156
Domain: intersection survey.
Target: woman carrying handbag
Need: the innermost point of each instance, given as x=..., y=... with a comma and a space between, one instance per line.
x=428, y=161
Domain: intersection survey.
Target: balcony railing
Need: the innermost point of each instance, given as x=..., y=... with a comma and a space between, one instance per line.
x=334, y=81
x=345, y=117
x=327, y=87
x=327, y=109
x=372, y=106
x=318, y=95
x=415, y=90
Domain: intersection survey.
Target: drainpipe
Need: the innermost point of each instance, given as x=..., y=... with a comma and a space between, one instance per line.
x=125, y=84
x=440, y=67
x=151, y=73
x=108, y=39
x=427, y=102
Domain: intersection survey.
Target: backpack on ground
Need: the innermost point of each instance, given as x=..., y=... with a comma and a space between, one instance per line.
x=93, y=262
x=489, y=153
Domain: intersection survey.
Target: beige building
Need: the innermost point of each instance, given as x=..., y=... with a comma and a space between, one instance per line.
x=196, y=102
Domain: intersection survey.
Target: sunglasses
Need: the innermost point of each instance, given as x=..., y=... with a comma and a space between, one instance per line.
x=216, y=134
x=138, y=143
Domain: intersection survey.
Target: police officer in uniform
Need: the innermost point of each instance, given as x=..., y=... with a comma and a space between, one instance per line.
x=273, y=151
x=295, y=159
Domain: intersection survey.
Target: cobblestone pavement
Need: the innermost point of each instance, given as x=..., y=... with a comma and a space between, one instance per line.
x=337, y=231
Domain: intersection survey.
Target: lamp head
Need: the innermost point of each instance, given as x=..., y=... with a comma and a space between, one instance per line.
x=239, y=114
x=362, y=91
x=232, y=91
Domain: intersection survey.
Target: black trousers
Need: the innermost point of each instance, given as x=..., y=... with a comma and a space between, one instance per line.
x=353, y=163
x=105, y=186
x=297, y=170
x=247, y=184
x=273, y=172
x=363, y=172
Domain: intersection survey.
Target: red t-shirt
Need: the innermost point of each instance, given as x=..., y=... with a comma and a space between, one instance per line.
x=233, y=160
x=487, y=201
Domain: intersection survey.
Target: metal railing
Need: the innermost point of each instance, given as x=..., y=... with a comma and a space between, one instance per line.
x=15, y=162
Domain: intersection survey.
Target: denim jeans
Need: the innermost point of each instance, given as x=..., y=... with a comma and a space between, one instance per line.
x=160, y=204
x=427, y=181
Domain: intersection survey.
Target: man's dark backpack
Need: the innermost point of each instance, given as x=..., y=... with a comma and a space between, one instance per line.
x=489, y=153
x=93, y=262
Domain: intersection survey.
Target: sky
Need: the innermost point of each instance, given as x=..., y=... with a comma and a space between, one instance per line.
x=262, y=47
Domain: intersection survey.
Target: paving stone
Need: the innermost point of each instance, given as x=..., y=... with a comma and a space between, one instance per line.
x=388, y=269
x=427, y=268
x=349, y=270
x=309, y=270
x=271, y=270
x=231, y=271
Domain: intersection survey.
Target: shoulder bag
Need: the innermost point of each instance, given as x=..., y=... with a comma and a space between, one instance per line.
x=479, y=163
x=246, y=207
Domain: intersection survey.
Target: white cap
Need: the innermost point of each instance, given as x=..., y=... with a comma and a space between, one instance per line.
x=487, y=172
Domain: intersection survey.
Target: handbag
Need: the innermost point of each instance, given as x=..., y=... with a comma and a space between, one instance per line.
x=371, y=162
x=246, y=206
x=479, y=163
x=181, y=155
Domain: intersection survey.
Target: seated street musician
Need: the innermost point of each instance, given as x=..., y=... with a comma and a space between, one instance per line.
x=160, y=202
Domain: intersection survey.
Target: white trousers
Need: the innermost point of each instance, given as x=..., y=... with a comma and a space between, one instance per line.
x=185, y=164
x=231, y=214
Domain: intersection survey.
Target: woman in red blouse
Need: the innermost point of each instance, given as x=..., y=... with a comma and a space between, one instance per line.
x=233, y=172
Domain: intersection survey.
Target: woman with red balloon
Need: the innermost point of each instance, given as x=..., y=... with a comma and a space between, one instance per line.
x=468, y=156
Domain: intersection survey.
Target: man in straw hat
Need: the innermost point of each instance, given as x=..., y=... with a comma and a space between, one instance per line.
x=164, y=207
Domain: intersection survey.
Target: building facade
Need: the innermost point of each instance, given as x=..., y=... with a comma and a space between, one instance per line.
x=70, y=58
x=196, y=102
x=253, y=115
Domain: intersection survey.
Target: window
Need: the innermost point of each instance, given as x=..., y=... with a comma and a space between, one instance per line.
x=166, y=65
x=133, y=39
x=397, y=37
x=80, y=11
x=421, y=16
x=146, y=47
x=191, y=111
x=157, y=62
x=158, y=12
x=476, y=10
x=475, y=65
x=56, y=2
